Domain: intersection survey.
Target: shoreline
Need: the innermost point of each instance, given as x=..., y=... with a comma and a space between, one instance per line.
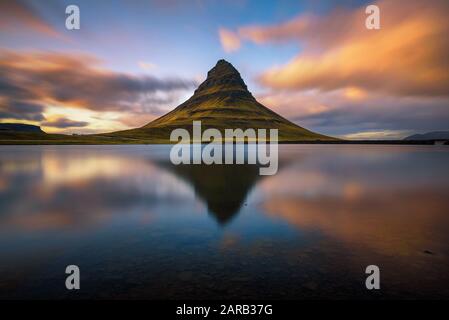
x=140, y=142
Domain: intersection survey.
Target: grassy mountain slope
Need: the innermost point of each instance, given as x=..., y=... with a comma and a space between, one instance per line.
x=222, y=101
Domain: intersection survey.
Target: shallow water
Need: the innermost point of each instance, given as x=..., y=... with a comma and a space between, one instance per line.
x=140, y=227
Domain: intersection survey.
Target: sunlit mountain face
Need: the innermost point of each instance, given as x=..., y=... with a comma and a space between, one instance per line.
x=314, y=63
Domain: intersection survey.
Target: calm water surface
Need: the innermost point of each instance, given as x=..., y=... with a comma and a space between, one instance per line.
x=139, y=227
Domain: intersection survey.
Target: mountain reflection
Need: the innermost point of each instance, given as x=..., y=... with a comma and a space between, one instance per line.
x=223, y=188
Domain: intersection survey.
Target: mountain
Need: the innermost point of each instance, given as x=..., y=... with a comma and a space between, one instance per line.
x=435, y=135
x=20, y=127
x=222, y=101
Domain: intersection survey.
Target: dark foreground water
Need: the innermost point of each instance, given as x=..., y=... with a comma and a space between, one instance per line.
x=139, y=227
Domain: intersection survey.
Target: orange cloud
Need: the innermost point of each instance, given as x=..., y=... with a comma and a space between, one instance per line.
x=354, y=93
x=407, y=56
x=229, y=40
x=286, y=31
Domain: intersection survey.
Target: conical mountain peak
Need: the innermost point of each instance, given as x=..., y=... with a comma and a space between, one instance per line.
x=223, y=102
x=223, y=77
x=222, y=68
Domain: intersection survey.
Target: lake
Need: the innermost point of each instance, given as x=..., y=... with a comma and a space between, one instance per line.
x=139, y=227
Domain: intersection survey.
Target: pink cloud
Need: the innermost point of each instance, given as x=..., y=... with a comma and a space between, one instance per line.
x=230, y=41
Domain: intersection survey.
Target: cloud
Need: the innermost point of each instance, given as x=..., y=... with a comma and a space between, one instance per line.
x=377, y=135
x=61, y=122
x=373, y=116
x=77, y=81
x=147, y=65
x=17, y=14
x=407, y=56
x=229, y=40
x=21, y=110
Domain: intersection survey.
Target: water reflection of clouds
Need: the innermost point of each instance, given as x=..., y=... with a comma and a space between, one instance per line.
x=395, y=205
x=53, y=190
x=349, y=171
x=384, y=224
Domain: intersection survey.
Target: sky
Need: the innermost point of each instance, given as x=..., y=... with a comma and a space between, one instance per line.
x=314, y=62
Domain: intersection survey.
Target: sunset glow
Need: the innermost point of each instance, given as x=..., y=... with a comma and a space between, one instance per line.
x=138, y=64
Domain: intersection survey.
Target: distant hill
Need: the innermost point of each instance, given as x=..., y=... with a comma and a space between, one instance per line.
x=435, y=135
x=20, y=127
x=222, y=101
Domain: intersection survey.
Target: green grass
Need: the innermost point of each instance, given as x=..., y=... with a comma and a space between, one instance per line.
x=135, y=136
x=15, y=138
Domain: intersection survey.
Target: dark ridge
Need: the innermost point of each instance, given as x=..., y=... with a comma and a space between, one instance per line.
x=20, y=127
x=435, y=135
